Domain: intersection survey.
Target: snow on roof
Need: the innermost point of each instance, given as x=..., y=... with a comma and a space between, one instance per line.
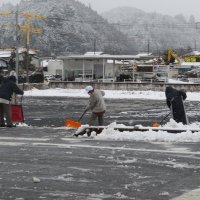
x=7, y=53
x=193, y=53
x=104, y=56
x=144, y=54
x=93, y=53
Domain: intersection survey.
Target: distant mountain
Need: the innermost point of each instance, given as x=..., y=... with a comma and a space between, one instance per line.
x=154, y=31
x=71, y=27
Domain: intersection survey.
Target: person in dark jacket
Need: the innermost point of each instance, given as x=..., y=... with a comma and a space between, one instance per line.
x=7, y=88
x=1, y=79
x=174, y=100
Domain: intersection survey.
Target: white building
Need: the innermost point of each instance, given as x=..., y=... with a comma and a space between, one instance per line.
x=96, y=66
x=53, y=67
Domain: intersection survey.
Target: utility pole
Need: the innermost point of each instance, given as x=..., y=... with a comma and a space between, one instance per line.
x=94, y=46
x=28, y=47
x=148, y=47
x=17, y=44
x=28, y=31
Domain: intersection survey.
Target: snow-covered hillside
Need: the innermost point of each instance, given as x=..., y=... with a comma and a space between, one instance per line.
x=159, y=31
x=70, y=27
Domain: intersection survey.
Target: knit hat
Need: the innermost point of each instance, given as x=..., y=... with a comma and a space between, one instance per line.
x=89, y=88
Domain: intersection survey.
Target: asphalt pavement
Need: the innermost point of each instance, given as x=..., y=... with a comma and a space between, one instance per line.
x=53, y=111
x=44, y=161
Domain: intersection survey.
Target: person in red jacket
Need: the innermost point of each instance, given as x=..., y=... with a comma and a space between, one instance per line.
x=7, y=88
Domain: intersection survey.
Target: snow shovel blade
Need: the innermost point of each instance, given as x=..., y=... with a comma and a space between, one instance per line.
x=156, y=125
x=72, y=124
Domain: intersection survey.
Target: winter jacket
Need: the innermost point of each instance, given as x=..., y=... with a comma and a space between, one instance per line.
x=174, y=100
x=96, y=102
x=8, y=87
x=1, y=79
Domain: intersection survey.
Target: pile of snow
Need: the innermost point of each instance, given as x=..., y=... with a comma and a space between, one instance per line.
x=150, y=136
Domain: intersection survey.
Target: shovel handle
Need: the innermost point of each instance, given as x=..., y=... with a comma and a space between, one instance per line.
x=21, y=99
x=165, y=117
x=82, y=115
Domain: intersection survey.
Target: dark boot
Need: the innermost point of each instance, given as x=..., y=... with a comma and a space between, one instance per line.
x=11, y=125
x=88, y=131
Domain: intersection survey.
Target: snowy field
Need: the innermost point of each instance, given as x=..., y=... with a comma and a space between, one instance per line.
x=111, y=134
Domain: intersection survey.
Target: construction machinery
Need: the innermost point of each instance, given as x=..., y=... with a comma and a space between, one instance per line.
x=195, y=58
x=171, y=54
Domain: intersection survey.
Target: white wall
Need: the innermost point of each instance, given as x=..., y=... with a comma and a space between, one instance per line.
x=95, y=67
x=55, y=67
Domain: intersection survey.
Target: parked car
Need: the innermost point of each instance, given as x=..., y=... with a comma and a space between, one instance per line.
x=36, y=78
x=58, y=77
x=47, y=77
x=53, y=78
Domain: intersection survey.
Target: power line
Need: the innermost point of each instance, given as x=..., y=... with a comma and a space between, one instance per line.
x=131, y=25
x=144, y=25
x=128, y=25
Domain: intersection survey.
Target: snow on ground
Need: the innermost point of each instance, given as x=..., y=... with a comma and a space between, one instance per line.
x=111, y=134
x=109, y=94
x=149, y=136
x=154, y=136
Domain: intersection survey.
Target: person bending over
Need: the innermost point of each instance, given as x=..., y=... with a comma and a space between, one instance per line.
x=96, y=105
x=174, y=100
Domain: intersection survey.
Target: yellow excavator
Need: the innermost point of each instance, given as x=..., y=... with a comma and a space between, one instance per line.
x=171, y=54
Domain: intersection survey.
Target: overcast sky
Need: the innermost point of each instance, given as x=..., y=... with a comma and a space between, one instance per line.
x=170, y=7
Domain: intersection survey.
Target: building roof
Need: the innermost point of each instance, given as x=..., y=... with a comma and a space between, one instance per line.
x=192, y=53
x=7, y=52
x=142, y=56
x=94, y=53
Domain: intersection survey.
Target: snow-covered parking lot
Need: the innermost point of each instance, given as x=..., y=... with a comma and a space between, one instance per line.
x=41, y=159
x=47, y=163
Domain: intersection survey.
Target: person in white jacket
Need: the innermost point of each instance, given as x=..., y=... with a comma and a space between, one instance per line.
x=96, y=105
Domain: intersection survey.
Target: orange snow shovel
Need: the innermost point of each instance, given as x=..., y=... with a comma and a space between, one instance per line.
x=156, y=124
x=73, y=124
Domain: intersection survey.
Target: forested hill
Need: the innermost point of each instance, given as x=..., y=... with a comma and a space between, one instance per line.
x=155, y=30
x=71, y=27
